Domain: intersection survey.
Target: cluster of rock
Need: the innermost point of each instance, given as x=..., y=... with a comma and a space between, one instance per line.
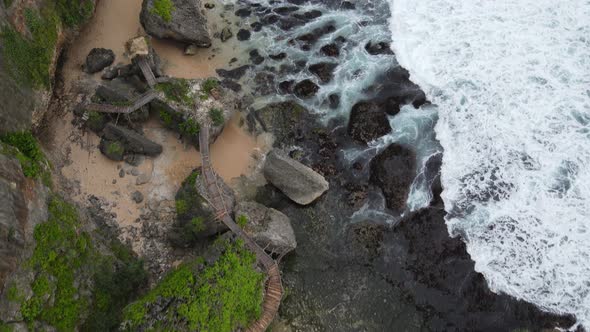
x=182, y=105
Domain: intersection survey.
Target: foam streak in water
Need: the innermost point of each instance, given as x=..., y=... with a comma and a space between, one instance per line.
x=511, y=79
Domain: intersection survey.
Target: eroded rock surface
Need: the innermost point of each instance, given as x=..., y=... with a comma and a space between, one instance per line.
x=299, y=182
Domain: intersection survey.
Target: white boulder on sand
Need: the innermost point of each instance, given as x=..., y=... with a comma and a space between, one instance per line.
x=299, y=182
x=180, y=20
x=270, y=228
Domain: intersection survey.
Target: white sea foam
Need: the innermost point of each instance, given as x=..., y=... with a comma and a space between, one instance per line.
x=511, y=79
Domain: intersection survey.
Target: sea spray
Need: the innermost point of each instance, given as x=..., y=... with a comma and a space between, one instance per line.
x=511, y=82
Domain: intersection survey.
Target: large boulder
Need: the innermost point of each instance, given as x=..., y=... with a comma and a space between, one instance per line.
x=182, y=21
x=269, y=228
x=285, y=120
x=131, y=141
x=367, y=122
x=299, y=182
x=98, y=59
x=393, y=170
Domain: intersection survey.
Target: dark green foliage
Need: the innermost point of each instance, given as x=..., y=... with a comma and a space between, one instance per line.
x=216, y=116
x=191, y=180
x=181, y=206
x=96, y=121
x=224, y=296
x=115, y=284
x=5, y=327
x=59, y=252
x=197, y=224
x=164, y=9
x=65, y=262
x=74, y=12
x=29, y=60
x=208, y=86
x=177, y=90
x=8, y=3
x=28, y=153
x=190, y=127
x=166, y=117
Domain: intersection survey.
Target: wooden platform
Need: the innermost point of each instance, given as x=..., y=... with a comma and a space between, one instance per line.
x=273, y=286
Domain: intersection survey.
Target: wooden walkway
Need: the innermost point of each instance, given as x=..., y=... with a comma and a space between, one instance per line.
x=138, y=102
x=273, y=288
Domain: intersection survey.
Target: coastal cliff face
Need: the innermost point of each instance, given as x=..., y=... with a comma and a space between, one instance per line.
x=32, y=36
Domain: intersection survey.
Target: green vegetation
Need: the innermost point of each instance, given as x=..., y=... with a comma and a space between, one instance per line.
x=181, y=206
x=164, y=9
x=59, y=252
x=177, y=90
x=208, y=86
x=115, y=148
x=29, y=60
x=216, y=116
x=65, y=263
x=74, y=12
x=221, y=297
x=189, y=127
x=191, y=180
x=96, y=121
x=13, y=294
x=116, y=281
x=8, y=3
x=242, y=220
x=5, y=327
x=166, y=117
x=198, y=224
x=26, y=149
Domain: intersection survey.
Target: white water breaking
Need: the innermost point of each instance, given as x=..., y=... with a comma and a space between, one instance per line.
x=511, y=79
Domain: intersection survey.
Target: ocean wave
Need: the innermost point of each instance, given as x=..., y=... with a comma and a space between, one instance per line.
x=511, y=80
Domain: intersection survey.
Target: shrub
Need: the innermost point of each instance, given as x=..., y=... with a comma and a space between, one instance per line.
x=197, y=224
x=166, y=117
x=74, y=12
x=177, y=90
x=63, y=256
x=224, y=296
x=27, y=152
x=163, y=8
x=242, y=220
x=115, y=148
x=190, y=127
x=181, y=206
x=216, y=116
x=29, y=60
x=208, y=86
x=191, y=180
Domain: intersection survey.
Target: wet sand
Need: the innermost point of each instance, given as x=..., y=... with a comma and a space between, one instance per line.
x=116, y=21
x=89, y=173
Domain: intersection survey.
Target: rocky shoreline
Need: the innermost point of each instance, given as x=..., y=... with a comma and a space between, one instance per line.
x=303, y=201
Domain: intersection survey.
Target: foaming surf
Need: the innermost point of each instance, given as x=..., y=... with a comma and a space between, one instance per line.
x=511, y=82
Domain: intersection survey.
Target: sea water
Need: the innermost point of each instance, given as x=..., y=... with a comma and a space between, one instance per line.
x=511, y=81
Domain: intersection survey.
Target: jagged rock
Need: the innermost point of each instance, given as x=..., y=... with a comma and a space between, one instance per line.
x=255, y=57
x=190, y=50
x=323, y=70
x=131, y=141
x=393, y=170
x=378, y=48
x=186, y=23
x=110, y=73
x=23, y=207
x=234, y=74
x=347, y=5
x=367, y=122
x=118, y=92
x=243, y=12
x=278, y=56
x=243, y=34
x=256, y=26
x=282, y=119
x=306, y=89
x=98, y=59
x=137, y=197
x=226, y=34
x=299, y=182
x=270, y=229
x=330, y=50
